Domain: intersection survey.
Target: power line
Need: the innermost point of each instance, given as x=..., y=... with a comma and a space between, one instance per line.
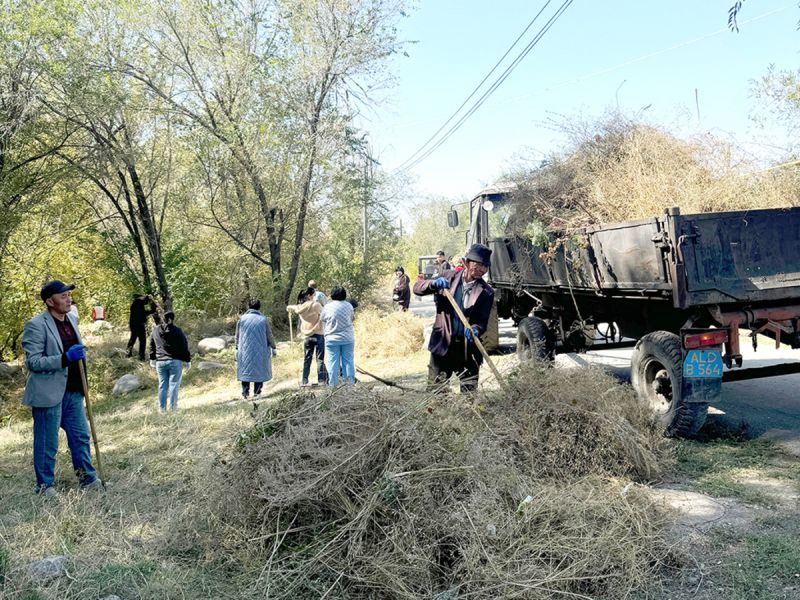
x=477, y=87
x=498, y=82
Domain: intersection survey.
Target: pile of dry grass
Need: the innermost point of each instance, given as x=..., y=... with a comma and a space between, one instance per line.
x=618, y=169
x=384, y=334
x=359, y=494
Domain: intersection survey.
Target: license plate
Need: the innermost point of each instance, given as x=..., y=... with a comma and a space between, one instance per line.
x=703, y=363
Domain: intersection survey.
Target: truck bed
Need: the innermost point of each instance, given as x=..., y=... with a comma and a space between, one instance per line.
x=747, y=257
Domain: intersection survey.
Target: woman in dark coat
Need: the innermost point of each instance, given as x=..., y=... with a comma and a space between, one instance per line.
x=402, y=288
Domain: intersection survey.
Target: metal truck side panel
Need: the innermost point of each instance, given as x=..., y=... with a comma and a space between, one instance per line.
x=628, y=258
x=745, y=256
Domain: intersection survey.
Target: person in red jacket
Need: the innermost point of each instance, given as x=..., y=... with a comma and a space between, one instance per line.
x=452, y=347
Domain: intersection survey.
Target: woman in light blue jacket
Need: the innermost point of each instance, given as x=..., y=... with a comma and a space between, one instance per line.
x=253, y=343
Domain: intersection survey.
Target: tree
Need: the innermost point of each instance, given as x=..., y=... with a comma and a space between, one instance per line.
x=28, y=141
x=273, y=84
x=121, y=138
x=341, y=45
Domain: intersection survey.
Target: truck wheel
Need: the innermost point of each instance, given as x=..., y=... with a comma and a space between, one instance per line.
x=657, y=377
x=535, y=340
x=491, y=337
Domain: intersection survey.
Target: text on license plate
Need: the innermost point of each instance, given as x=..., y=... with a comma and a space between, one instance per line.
x=702, y=363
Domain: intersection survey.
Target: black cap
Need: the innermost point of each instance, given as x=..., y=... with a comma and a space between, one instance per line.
x=55, y=287
x=479, y=253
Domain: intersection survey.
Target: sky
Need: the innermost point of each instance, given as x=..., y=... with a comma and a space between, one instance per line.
x=651, y=56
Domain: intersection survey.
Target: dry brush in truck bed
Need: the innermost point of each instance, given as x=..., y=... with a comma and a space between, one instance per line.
x=619, y=169
x=363, y=494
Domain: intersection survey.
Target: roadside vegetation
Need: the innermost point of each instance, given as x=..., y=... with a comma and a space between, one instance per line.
x=750, y=551
x=365, y=492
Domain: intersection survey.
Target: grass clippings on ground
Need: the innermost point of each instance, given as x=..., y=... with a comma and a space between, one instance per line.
x=361, y=494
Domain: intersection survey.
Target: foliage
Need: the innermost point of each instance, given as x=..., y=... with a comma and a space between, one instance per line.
x=430, y=233
x=187, y=147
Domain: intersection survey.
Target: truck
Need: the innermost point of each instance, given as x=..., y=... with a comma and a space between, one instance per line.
x=682, y=289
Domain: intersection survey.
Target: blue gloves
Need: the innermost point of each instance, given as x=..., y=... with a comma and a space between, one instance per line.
x=440, y=283
x=471, y=334
x=76, y=352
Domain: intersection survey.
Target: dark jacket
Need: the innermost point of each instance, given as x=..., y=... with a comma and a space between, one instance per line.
x=140, y=308
x=402, y=289
x=476, y=309
x=167, y=342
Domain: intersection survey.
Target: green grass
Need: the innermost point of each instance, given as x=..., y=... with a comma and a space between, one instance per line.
x=718, y=468
x=757, y=565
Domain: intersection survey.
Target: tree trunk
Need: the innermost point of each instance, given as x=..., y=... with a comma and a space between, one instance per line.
x=151, y=236
x=133, y=229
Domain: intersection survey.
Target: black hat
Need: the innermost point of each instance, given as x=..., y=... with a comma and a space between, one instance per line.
x=440, y=253
x=55, y=287
x=479, y=253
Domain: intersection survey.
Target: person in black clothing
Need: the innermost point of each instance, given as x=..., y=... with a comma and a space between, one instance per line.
x=169, y=350
x=141, y=307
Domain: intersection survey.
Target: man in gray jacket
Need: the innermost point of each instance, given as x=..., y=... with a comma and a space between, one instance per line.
x=54, y=389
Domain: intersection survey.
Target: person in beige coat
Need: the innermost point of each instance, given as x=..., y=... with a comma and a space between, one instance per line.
x=308, y=309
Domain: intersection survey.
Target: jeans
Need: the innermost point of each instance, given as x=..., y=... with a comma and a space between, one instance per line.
x=169, y=381
x=340, y=354
x=256, y=388
x=70, y=415
x=314, y=344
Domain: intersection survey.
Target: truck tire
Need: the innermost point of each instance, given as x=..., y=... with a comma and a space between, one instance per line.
x=491, y=337
x=535, y=341
x=657, y=377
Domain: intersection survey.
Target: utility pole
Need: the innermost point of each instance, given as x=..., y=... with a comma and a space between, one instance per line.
x=697, y=103
x=401, y=229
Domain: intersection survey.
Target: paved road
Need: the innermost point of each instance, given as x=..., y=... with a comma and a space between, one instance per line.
x=753, y=408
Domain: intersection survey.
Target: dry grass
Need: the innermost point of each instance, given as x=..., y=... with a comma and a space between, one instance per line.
x=619, y=169
x=360, y=493
x=363, y=494
x=142, y=539
x=383, y=334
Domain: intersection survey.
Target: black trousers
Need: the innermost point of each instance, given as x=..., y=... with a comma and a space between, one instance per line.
x=138, y=332
x=257, y=385
x=314, y=344
x=462, y=359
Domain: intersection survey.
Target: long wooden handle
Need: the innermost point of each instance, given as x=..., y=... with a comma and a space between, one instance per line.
x=446, y=293
x=91, y=423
